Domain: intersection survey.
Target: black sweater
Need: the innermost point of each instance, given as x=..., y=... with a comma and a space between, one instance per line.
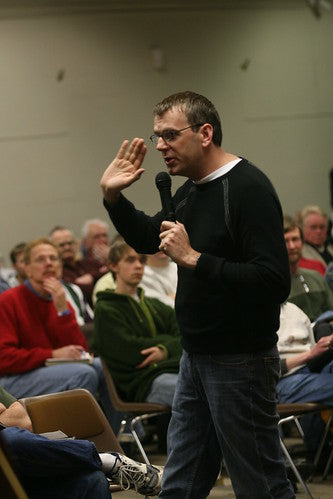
x=230, y=303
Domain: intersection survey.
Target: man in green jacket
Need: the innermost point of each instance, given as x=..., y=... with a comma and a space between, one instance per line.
x=138, y=337
x=309, y=290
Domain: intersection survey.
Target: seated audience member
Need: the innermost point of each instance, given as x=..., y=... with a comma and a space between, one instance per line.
x=95, y=243
x=137, y=336
x=309, y=291
x=74, y=294
x=37, y=323
x=306, y=263
x=306, y=367
x=83, y=312
x=16, y=256
x=315, y=226
x=160, y=278
x=106, y=282
x=67, y=468
x=82, y=272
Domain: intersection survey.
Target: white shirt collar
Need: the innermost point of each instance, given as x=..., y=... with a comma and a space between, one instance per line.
x=219, y=172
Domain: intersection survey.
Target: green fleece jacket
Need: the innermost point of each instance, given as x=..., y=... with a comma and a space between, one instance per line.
x=311, y=293
x=124, y=327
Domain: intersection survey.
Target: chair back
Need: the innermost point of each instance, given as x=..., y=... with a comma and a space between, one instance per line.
x=129, y=407
x=76, y=413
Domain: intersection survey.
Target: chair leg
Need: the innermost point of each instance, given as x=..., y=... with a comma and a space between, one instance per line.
x=121, y=429
x=137, y=440
x=295, y=470
x=299, y=427
x=134, y=422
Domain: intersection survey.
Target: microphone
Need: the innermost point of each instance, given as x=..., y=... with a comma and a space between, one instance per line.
x=163, y=184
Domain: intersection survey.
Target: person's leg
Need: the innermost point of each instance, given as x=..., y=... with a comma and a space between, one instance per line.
x=69, y=468
x=162, y=389
x=84, y=485
x=56, y=468
x=194, y=456
x=306, y=386
x=240, y=390
x=51, y=379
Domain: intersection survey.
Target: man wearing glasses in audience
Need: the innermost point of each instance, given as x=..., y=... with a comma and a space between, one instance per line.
x=36, y=324
x=82, y=272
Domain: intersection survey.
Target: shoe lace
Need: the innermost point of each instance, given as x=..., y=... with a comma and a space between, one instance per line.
x=130, y=475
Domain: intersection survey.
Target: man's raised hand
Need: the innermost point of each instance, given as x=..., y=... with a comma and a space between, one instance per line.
x=124, y=169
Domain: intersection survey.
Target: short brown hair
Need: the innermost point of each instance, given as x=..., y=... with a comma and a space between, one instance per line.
x=16, y=251
x=197, y=109
x=36, y=242
x=290, y=224
x=117, y=250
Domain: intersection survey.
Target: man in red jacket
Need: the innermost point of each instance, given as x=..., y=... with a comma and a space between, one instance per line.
x=36, y=324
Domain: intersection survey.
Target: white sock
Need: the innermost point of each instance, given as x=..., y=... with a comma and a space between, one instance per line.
x=108, y=462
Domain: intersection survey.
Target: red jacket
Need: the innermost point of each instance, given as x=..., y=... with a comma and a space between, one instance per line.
x=30, y=329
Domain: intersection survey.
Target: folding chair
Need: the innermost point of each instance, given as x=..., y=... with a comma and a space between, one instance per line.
x=134, y=412
x=292, y=412
x=76, y=413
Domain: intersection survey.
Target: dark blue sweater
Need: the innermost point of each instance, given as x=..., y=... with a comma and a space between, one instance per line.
x=230, y=303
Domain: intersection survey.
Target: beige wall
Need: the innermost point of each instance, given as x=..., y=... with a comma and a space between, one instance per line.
x=57, y=135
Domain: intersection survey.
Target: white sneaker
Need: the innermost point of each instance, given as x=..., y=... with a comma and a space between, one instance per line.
x=130, y=474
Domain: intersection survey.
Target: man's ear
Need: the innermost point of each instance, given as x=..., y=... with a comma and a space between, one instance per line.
x=206, y=134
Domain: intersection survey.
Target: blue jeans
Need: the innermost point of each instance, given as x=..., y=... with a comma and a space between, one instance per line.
x=61, y=377
x=56, y=469
x=225, y=405
x=306, y=386
x=162, y=390
x=57, y=378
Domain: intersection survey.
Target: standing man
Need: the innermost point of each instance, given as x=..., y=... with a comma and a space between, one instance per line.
x=232, y=276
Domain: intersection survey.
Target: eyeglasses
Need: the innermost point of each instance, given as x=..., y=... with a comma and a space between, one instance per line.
x=170, y=135
x=41, y=260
